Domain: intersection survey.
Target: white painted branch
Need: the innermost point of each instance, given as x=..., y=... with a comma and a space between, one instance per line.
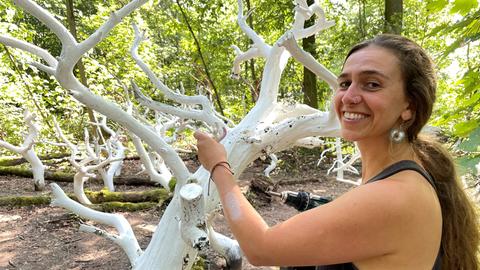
x=206, y=114
x=310, y=142
x=242, y=57
x=288, y=41
x=257, y=40
x=102, y=32
x=84, y=171
x=347, y=166
x=162, y=177
x=228, y=248
x=304, y=14
x=126, y=238
x=11, y=147
x=117, y=154
x=90, y=152
x=339, y=166
x=44, y=68
x=25, y=46
x=78, y=180
x=116, y=151
x=272, y=166
x=164, y=108
x=38, y=169
x=240, y=148
x=27, y=150
x=193, y=224
x=338, y=151
x=244, y=146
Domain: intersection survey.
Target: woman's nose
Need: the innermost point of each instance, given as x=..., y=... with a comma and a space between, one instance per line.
x=351, y=95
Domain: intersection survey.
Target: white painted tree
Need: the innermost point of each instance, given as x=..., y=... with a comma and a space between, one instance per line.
x=28, y=152
x=116, y=152
x=269, y=127
x=85, y=163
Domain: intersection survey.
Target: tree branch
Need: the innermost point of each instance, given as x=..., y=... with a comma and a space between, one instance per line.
x=126, y=238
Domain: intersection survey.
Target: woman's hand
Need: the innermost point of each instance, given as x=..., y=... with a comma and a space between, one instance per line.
x=210, y=152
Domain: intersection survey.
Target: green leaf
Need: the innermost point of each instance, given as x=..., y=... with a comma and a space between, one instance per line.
x=462, y=7
x=436, y=5
x=464, y=128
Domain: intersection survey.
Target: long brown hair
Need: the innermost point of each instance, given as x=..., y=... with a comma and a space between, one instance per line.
x=460, y=232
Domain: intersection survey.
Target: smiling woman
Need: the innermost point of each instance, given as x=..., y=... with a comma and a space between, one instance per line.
x=370, y=95
x=407, y=213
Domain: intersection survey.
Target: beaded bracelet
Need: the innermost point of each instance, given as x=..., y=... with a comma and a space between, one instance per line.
x=223, y=164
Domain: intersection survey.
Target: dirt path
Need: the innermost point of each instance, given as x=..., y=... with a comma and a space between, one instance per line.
x=48, y=237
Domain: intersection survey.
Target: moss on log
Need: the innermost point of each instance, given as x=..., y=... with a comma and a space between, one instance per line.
x=14, y=161
x=154, y=195
x=68, y=177
x=20, y=201
x=124, y=206
x=102, y=200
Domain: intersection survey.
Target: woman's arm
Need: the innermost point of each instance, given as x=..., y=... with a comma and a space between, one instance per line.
x=369, y=221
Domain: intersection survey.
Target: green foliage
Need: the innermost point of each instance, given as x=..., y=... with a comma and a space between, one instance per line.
x=449, y=30
x=21, y=201
x=172, y=183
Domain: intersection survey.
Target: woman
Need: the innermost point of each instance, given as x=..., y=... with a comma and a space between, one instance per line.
x=409, y=213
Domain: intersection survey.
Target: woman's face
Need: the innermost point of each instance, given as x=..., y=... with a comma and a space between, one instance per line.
x=370, y=99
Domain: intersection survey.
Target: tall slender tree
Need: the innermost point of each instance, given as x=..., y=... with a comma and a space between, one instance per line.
x=72, y=27
x=393, y=16
x=310, y=95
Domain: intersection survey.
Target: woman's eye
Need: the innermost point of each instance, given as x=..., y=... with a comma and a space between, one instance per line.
x=372, y=85
x=343, y=85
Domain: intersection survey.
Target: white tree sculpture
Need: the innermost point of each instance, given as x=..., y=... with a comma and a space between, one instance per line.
x=269, y=127
x=27, y=150
x=90, y=162
x=116, y=150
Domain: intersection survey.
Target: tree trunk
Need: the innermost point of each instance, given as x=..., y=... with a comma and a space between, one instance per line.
x=251, y=64
x=81, y=68
x=393, y=16
x=310, y=96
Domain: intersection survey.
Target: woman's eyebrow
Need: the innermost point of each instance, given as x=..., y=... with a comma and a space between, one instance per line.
x=341, y=76
x=374, y=72
x=365, y=72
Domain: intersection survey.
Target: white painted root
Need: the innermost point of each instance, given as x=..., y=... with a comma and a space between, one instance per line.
x=272, y=166
x=125, y=238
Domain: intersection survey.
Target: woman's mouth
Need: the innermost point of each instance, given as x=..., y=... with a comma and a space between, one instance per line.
x=354, y=116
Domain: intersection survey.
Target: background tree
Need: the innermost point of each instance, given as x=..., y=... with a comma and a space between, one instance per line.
x=393, y=16
x=309, y=88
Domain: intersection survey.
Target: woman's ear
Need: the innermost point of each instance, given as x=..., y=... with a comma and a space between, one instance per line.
x=406, y=115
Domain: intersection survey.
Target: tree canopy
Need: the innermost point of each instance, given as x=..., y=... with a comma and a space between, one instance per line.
x=189, y=44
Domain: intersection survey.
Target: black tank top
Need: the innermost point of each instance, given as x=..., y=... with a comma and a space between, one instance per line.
x=389, y=171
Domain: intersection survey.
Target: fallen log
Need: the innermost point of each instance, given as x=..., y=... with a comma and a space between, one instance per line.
x=102, y=200
x=68, y=177
x=14, y=161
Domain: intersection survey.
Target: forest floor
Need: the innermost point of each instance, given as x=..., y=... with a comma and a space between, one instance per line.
x=45, y=237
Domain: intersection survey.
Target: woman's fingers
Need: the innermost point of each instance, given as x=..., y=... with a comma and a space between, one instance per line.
x=209, y=151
